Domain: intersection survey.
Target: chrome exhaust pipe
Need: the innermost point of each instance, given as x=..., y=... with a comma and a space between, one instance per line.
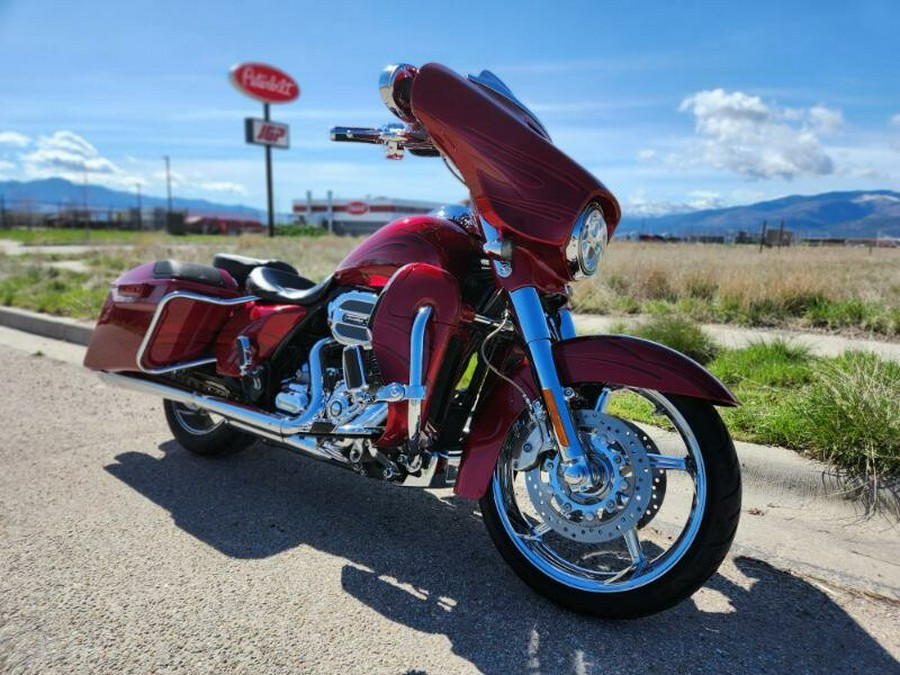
x=309, y=445
x=274, y=427
x=220, y=406
x=280, y=425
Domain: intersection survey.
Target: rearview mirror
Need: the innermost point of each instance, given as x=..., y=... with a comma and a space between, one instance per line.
x=395, y=85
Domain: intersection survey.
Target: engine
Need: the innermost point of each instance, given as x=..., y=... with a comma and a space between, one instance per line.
x=333, y=395
x=341, y=377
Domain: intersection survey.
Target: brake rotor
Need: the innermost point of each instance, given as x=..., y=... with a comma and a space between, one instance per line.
x=658, y=477
x=622, y=494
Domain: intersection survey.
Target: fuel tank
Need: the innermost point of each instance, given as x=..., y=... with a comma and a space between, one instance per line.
x=418, y=239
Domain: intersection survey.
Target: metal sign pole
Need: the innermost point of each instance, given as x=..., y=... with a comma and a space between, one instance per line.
x=267, y=84
x=269, y=177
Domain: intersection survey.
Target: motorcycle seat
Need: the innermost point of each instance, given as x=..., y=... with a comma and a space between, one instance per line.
x=240, y=266
x=275, y=285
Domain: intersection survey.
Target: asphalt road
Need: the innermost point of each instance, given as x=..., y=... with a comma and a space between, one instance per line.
x=121, y=552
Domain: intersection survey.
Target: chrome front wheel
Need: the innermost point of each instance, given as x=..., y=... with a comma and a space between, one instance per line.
x=653, y=524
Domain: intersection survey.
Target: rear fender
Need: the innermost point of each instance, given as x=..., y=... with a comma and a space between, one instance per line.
x=612, y=359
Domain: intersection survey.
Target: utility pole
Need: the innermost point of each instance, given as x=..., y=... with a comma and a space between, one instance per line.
x=84, y=199
x=140, y=213
x=330, y=212
x=781, y=234
x=168, y=184
x=762, y=236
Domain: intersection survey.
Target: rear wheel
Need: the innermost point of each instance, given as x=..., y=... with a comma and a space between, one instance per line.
x=655, y=523
x=202, y=432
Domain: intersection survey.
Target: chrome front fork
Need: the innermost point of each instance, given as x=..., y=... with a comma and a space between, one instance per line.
x=536, y=333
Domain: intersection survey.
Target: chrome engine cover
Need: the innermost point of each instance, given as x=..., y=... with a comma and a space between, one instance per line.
x=294, y=398
x=349, y=315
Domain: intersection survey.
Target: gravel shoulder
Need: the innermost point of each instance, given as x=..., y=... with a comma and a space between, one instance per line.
x=124, y=553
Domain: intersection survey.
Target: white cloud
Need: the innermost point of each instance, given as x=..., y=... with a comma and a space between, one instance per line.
x=224, y=186
x=14, y=138
x=65, y=153
x=176, y=178
x=826, y=121
x=640, y=204
x=704, y=199
x=741, y=133
x=647, y=155
x=894, y=122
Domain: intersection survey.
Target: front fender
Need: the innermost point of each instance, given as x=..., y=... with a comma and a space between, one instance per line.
x=611, y=359
x=633, y=362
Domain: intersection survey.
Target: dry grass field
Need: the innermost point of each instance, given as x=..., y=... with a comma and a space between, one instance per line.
x=835, y=287
x=846, y=289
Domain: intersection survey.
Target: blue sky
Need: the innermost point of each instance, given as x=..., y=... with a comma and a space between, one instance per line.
x=673, y=105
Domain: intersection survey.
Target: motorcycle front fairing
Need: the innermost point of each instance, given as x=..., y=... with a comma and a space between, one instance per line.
x=519, y=181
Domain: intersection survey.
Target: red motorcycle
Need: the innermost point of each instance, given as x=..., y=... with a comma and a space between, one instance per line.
x=442, y=352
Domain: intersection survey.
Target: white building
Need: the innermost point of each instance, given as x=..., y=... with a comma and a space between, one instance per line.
x=357, y=216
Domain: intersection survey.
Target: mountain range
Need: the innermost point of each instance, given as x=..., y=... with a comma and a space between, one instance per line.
x=51, y=194
x=835, y=214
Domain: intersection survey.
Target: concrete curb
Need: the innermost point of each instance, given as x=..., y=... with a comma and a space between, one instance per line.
x=786, y=477
x=778, y=473
x=55, y=327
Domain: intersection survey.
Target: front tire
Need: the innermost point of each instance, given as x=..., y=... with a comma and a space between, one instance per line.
x=202, y=433
x=611, y=561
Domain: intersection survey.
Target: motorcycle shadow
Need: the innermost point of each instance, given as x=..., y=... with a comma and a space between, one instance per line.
x=424, y=560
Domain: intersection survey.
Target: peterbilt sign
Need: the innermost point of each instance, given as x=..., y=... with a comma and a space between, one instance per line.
x=264, y=83
x=262, y=132
x=357, y=208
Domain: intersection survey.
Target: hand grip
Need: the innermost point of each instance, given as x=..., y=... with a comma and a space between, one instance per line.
x=356, y=135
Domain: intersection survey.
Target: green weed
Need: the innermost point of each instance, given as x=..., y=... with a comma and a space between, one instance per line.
x=53, y=291
x=777, y=363
x=850, y=414
x=680, y=334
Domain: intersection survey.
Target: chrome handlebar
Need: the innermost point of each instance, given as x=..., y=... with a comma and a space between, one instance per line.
x=356, y=135
x=395, y=138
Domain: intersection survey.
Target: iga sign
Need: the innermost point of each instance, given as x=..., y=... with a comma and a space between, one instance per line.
x=264, y=83
x=263, y=132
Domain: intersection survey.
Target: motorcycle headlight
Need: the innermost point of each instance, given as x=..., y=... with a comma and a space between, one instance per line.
x=587, y=243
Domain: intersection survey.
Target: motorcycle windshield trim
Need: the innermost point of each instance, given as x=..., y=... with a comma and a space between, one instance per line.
x=519, y=180
x=491, y=82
